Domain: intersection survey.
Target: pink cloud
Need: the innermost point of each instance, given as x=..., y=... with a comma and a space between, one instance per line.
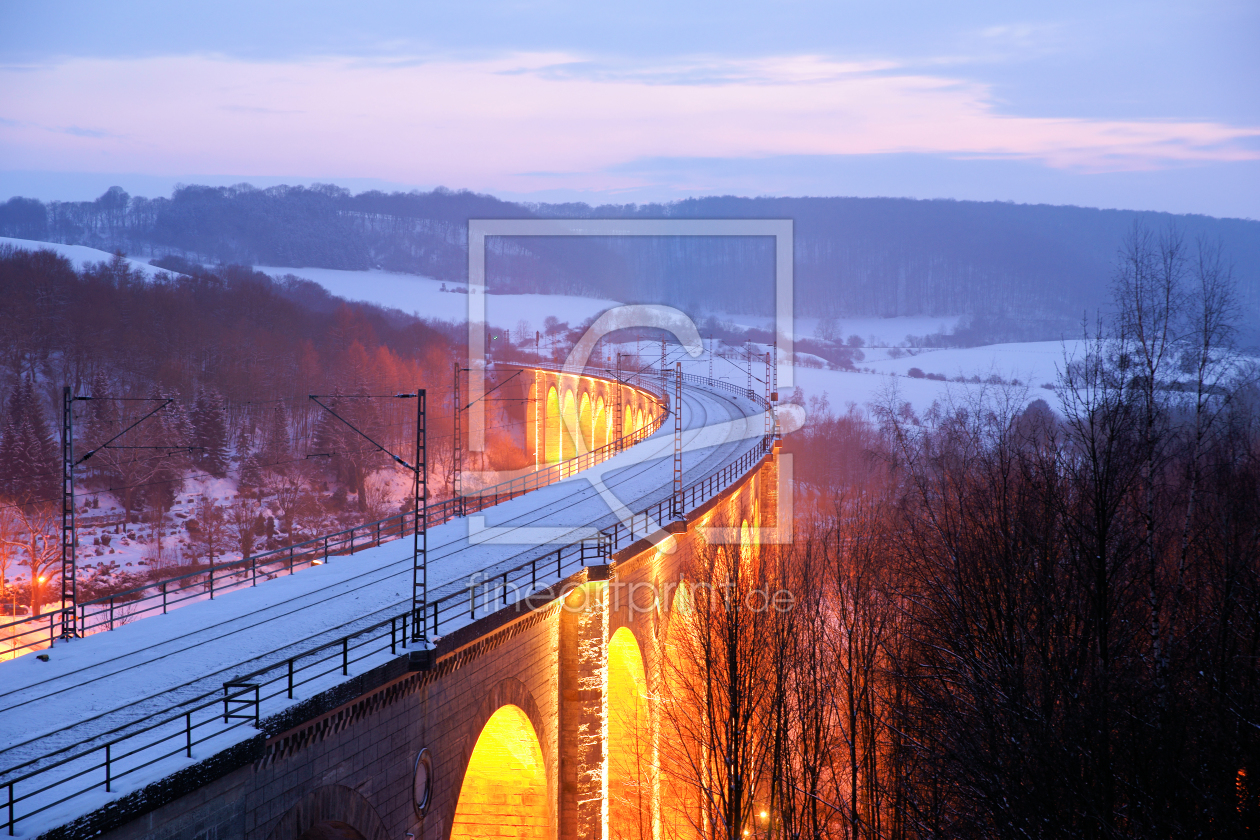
x=487, y=123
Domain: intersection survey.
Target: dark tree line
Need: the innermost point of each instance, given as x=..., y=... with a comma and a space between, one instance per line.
x=242, y=333
x=1016, y=271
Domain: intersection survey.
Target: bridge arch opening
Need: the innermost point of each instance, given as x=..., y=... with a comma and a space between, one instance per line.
x=329, y=812
x=679, y=801
x=586, y=423
x=504, y=792
x=569, y=431
x=551, y=426
x=599, y=426
x=630, y=759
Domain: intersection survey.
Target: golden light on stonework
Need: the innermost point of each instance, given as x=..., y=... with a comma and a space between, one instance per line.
x=504, y=793
x=629, y=742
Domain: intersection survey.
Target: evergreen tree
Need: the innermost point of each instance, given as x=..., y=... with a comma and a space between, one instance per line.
x=101, y=422
x=177, y=428
x=209, y=422
x=276, y=442
x=170, y=428
x=29, y=468
x=251, y=472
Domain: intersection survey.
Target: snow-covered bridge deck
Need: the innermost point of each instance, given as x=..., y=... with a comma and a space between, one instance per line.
x=120, y=710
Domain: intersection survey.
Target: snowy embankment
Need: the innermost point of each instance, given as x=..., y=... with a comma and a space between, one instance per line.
x=80, y=255
x=113, y=684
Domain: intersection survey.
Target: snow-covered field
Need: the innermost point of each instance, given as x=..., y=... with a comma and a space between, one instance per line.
x=1032, y=363
x=878, y=332
x=423, y=296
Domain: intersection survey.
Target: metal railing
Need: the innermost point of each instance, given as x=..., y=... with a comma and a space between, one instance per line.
x=158, y=597
x=248, y=699
x=509, y=585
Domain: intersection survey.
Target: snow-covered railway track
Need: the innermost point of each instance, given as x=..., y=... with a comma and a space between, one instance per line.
x=105, y=684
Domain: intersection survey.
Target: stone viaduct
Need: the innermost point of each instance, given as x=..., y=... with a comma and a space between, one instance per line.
x=538, y=720
x=578, y=413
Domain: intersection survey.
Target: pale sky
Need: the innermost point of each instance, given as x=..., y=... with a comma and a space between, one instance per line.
x=1145, y=105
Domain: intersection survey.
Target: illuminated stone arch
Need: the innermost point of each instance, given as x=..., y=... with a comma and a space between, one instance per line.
x=534, y=412
x=568, y=413
x=735, y=507
x=599, y=425
x=551, y=426
x=630, y=760
x=504, y=789
x=747, y=548
x=586, y=424
x=679, y=801
x=627, y=424
x=638, y=420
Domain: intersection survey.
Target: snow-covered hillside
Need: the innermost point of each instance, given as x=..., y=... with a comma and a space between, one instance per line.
x=885, y=365
x=81, y=255
x=423, y=296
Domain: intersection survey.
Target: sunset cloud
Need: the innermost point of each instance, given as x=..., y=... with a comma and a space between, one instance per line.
x=537, y=120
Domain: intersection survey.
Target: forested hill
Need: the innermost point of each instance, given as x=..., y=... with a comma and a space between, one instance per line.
x=1033, y=268
x=248, y=337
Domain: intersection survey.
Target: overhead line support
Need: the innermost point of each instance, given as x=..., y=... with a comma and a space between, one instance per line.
x=678, y=491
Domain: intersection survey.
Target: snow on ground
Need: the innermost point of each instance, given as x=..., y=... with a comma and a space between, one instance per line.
x=1033, y=362
x=845, y=388
x=878, y=332
x=423, y=296
x=81, y=255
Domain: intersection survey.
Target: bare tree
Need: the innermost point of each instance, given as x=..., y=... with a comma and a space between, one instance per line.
x=861, y=620
x=718, y=694
x=212, y=528
x=242, y=517
x=8, y=542
x=156, y=554
x=288, y=487
x=37, y=533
